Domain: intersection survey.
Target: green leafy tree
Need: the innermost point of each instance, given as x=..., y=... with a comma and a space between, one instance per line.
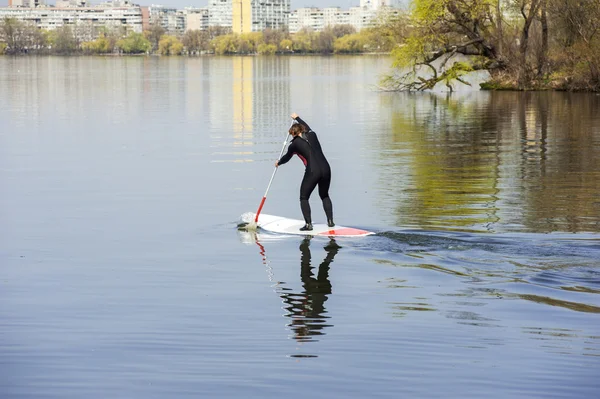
x=302, y=41
x=63, y=41
x=267, y=49
x=20, y=36
x=250, y=41
x=441, y=30
x=286, y=45
x=353, y=43
x=102, y=45
x=226, y=44
x=376, y=41
x=3, y=48
x=170, y=45
x=134, y=43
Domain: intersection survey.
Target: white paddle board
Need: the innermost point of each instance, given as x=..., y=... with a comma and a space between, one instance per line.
x=281, y=225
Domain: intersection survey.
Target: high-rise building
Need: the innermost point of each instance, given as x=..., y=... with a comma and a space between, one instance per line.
x=241, y=16
x=258, y=15
x=308, y=18
x=26, y=3
x=70, y=3
x=86, y=22
x=171, y=19
x=196, y=18
x=377, y=4
x=220, y=13
x=316, y=19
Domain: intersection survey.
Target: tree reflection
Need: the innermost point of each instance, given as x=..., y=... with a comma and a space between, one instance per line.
x=493, y=161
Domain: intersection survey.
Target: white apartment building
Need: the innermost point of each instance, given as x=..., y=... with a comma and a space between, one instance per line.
x=361, y=18
x=377, y=4
x=245, y=16
x=71, y=3
x=85, y=21
x=220, y=13
x=172, y=20
x=26, y=3
x=317, y=19
x=268, y=14
x=196, y=18
x=307, y=18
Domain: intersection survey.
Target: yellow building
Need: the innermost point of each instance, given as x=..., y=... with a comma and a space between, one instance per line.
x=242, y=16
x=256, y=16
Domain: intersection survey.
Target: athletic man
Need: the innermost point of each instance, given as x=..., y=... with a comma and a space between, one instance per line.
x=306, y=145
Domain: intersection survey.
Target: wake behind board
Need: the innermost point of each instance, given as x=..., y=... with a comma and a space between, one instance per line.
x=281, y=225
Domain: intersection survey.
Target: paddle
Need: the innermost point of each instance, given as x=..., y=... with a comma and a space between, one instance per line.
x=253, y=225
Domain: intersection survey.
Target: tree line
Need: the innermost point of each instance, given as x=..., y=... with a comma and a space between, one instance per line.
x=18, y=37
x=524, y=44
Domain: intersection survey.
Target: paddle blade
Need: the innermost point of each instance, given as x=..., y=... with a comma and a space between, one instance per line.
x=247, y=222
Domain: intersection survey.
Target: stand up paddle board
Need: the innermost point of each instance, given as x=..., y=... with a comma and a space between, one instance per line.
x=281, y=225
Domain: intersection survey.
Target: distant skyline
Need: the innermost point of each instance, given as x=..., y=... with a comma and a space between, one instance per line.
x=344, y=4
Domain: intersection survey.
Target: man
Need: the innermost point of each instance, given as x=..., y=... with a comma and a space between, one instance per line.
x=306, y=145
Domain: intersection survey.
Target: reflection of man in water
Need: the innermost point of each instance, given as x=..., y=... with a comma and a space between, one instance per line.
x=307, y=309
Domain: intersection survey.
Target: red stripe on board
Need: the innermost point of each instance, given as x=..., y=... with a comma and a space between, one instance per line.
x=348, y=231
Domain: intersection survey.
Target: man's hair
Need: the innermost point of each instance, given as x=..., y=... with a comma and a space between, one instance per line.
x=296, y=128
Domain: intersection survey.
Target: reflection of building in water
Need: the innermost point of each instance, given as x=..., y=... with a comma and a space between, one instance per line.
x=271, y=92
x=249, y=96
x=242, y=95
x=197, y=89
x=261, y=93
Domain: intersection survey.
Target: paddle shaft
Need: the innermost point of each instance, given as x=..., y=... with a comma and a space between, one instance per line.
x=262, y=203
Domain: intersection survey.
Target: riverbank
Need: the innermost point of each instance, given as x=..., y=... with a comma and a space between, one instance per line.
x=555, y=82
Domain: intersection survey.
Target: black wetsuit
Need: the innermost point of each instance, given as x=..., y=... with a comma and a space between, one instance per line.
x=317, y=171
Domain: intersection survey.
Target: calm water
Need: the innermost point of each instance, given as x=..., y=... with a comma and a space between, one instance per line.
x=122, y=273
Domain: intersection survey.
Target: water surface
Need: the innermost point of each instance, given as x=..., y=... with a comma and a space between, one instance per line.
x=122, y=272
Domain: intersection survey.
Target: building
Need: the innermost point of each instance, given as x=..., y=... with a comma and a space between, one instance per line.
x=196, y=18
x=244, y=16
x=71, y=3
x=361, y=18
x=85, y=21
x=258, y=15
x=307, y=18
x=316, y=19
x=26, y=3
x=172, y=20
x=220, y=13
x=378, y=4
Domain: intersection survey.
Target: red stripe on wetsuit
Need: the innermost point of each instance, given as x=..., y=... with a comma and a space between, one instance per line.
x=302, y=158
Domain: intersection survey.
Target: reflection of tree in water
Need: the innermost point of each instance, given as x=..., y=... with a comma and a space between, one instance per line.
x=492, y=161
x=306, y=309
